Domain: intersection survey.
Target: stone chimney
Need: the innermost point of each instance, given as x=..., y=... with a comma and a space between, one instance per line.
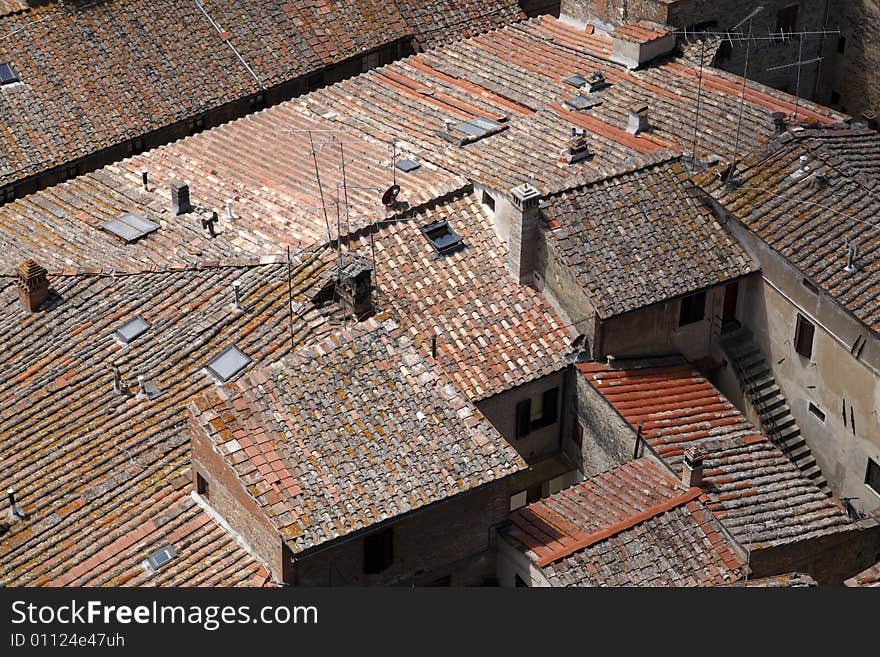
x=637, y=118
x=522, y=232
x=692, y=467
x=354, y=286
x=33, y=286
x=180, y=199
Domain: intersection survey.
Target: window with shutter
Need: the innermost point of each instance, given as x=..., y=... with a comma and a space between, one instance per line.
x=803, y=336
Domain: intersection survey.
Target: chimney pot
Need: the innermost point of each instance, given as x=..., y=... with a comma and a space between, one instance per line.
x=180, y=203
x=145, y=176
x=33, y=284
x=692, y=467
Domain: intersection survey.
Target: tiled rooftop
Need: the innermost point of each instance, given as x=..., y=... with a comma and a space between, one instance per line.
x=752, y=488
x=492, y=333
x=93, y=76
x=641, y=238
x=634, y=525
x=809, y=224
x=515, y=76
x=103, y=477
x=435, y=22
x=355, y=430
x=788, y=580
x=867, y=578
x=263, y=163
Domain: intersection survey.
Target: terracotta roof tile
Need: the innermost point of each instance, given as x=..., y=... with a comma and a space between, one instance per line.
x=809, y=224
x=338, y=469
x=103, y=477
x=867, y=578
x=517, y=72
x=642, y=226
x=756, y=492
x=634, y=525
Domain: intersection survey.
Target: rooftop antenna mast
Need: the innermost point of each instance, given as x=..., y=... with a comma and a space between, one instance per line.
x=799, y=64
x=742, y=98
x=320, y=187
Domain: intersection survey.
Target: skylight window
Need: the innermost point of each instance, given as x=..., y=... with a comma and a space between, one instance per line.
x=407, y=165
x=230, y=362
x=442, y=237
x=161, y=557
x=132, y=329
x=129, y=227
x=576, y=80
x=582, y=102
x=7, y=73
x=478, y=127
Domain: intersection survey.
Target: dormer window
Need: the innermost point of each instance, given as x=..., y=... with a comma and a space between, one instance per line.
x=7, y=74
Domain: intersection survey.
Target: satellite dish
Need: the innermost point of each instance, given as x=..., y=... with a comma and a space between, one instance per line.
x=390, y=195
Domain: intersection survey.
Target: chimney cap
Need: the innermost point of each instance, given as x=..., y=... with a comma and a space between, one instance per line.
x=524, y=192
x=639, y=107
x=693, y=455
x=31, y=269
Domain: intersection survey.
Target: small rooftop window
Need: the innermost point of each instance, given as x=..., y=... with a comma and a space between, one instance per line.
x=442, y=237
x=129, y=227
x=407, y=165
x=161, y=557
x=230, y=362
x=576, y=80
x=581, y=102
x=132, y=329
x=478, y=127
x=7, y=73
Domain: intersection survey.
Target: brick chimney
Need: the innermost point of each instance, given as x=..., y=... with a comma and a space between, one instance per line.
x=522, y=232
x=180, y=199
x=33, y=286
x=692, y=468
x=354, y=286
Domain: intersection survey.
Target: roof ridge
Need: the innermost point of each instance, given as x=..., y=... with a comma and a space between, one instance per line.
x=638, y=163
x=623, y=525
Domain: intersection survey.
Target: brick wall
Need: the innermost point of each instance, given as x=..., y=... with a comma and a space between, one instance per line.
x=711, y=14
x=607, y=442
x=227, y=496
x=853, y=74
x=828, y=558
x=455, y=537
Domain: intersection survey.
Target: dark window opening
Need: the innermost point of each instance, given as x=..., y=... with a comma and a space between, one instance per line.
x=815, y=410
x=803, y=336
x=7, y=73
x=539, y=411
x=519, y=581
x=841, y=44
x=488, y=201
x=201, y=485
x=835, y=98
x=872, y=476
x=786, y=21
x=693, y=309
x=442, y=237
x=378, y=551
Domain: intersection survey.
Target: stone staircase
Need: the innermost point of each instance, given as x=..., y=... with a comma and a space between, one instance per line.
x=760, y=388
